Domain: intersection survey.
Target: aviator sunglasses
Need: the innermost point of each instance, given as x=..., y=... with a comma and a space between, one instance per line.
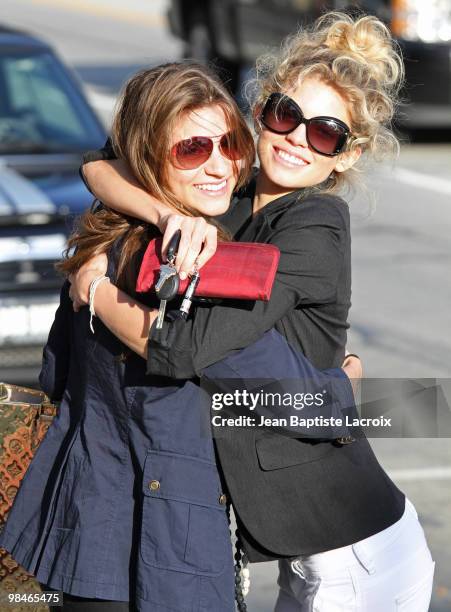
x=195, y=151
x=325, y=135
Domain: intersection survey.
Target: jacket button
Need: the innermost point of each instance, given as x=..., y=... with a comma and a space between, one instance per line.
x=345, y=440
x=154, y=485
x=223, y=499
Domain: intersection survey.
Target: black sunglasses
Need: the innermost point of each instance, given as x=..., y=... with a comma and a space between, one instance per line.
x=325, y=135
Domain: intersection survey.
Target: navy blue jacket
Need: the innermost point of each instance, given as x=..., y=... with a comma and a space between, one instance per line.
x=123, y=499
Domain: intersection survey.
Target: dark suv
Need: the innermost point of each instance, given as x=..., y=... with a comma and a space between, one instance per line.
x=234, y=32
x=46, y=124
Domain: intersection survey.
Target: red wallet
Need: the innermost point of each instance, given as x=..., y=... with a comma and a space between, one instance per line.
x=240, y=270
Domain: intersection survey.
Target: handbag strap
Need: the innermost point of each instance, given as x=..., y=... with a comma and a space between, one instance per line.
x=14, y=394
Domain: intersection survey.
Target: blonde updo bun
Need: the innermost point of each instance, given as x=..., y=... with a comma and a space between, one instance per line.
x=367, y=41
x=357, y=56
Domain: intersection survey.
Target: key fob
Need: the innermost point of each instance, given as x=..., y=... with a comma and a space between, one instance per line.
x=173, y=246
x=169, y=289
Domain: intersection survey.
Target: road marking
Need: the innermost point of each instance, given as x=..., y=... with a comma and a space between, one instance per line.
x=102, y=10
x=430, y=473
x=424, y=181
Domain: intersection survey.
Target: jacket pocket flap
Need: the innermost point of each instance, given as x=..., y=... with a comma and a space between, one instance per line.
x=275, y=451
x=182, y=478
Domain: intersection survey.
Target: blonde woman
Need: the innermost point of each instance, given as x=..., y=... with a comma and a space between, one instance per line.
x=346, y=535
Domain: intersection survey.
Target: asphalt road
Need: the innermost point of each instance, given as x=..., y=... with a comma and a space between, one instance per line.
x=401, y=316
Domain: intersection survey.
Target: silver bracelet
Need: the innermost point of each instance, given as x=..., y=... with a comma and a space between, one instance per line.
x=92, y=291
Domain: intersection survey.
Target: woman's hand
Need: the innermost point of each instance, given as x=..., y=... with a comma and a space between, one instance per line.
x=352, y=367
x=198, y=241
x=81, y=280
x=114, y=184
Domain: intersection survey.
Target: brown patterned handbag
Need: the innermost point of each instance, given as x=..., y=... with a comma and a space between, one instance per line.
x=25, y=416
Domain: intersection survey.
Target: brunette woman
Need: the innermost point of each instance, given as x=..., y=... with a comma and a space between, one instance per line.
x=122, y=503
x=348, y=538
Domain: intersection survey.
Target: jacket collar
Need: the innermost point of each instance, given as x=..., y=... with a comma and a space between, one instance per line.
x=245, y=225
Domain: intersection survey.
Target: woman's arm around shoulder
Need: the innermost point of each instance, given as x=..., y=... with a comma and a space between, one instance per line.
x=112, y=182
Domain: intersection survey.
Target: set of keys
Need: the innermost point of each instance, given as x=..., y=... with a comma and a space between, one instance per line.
x=169, y=281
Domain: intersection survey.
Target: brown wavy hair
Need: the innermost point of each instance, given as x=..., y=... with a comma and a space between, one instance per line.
x=148, y=109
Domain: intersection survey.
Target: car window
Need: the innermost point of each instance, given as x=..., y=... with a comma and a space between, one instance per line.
x=33, y=85
x=41, y=107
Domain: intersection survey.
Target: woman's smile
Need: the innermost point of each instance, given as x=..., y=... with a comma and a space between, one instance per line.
x=291, y=160
x=213, y=189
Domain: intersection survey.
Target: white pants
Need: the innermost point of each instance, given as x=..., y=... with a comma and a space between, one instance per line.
x=391, y=571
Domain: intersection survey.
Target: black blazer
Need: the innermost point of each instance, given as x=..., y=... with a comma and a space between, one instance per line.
x=291, y=496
